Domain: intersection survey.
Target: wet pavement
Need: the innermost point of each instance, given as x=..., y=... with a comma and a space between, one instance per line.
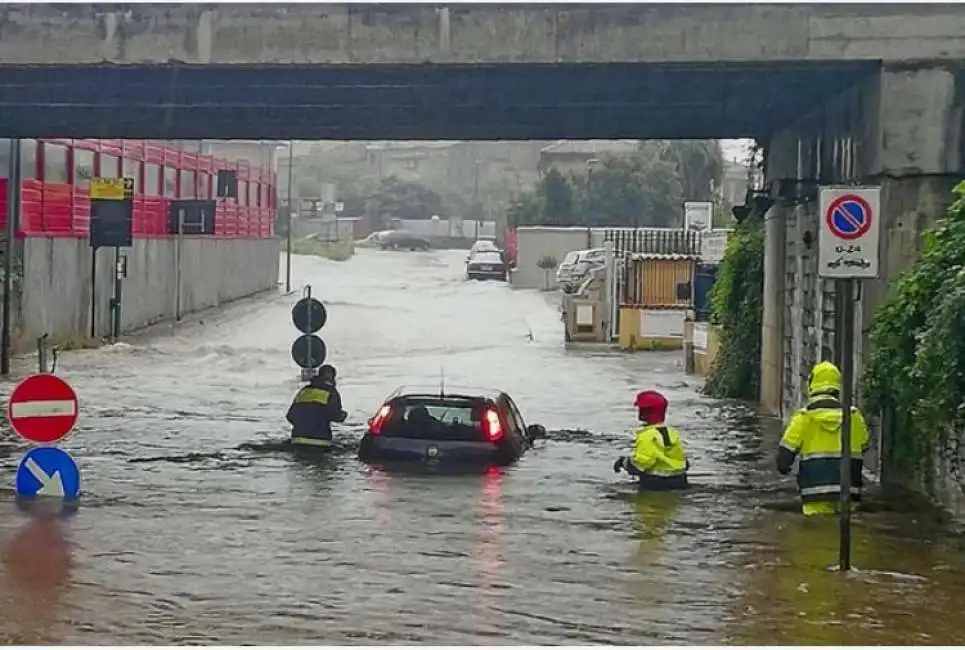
x=183, y=537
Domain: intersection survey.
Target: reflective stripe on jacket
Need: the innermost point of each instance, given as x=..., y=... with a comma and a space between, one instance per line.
x=814, y=435
x=313, y=410
x=659, y=453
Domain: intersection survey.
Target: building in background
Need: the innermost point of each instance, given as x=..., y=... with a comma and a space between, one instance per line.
x=258, y=153
x=571, y=156
x=733, y=184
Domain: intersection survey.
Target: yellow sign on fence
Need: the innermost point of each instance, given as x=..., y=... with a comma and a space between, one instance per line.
x=111, y=189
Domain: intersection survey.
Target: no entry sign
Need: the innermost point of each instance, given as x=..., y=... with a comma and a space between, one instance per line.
x=42, y=408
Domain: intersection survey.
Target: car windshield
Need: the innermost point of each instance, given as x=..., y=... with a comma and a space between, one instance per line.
x=570, y=258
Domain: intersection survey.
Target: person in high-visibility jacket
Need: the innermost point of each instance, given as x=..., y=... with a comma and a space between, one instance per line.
x=658, y=459
x=814, y=436
x=316, y=406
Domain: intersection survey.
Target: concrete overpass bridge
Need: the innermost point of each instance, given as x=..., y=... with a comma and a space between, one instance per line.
x=838, y=93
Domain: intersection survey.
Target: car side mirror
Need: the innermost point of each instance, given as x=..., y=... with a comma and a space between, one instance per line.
x=535, y=431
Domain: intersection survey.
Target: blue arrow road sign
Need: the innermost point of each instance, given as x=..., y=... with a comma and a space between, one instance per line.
x=50, y=472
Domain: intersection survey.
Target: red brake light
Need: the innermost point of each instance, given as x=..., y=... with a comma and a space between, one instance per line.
x=375, y=426
x=492, y=425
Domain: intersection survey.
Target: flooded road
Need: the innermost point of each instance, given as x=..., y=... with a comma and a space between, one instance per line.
x=184, y=538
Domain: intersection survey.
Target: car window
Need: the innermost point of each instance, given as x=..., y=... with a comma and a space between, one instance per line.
x=514, y=411
x=483, y=245
x=571, y=257
x=508, y=414
x=448, y=414
x=487, y=257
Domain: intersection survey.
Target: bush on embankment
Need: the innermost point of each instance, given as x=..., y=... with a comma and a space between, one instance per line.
x=915, y=377
x=338, y=251
x=737, y=308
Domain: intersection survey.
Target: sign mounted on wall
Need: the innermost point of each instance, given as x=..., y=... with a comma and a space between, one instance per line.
x=698, y=215
x=713, y=245
x=849, y=232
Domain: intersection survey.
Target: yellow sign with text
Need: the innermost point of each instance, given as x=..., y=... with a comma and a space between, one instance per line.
x=111, y=189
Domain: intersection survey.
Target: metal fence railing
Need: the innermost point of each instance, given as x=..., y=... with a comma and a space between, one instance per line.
x=664, y=242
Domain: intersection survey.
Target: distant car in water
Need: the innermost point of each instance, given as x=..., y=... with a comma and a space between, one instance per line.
x=483, y=245
x=402, y=240
x=446, y=426
x=486, y=265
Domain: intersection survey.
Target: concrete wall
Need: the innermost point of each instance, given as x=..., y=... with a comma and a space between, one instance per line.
x=343, y=33
x=901, y=131
x=534, y=243
x=651, y=329
x=56, y=295
x=706, y=338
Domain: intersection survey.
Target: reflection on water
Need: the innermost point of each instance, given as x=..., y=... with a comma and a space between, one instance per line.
x=37, y=567
x=199, y=524
x=902, y=591
x=488, y=551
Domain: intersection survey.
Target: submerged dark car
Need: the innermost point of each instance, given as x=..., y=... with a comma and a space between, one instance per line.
x=448, y=426
x=403, y=240
x=486, y=265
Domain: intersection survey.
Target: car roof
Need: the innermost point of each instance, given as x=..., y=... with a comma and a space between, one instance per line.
x=444, y=391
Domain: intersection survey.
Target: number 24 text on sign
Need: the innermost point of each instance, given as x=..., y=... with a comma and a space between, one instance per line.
x=849, y=232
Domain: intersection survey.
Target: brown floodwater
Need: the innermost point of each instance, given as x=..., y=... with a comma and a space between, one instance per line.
x=194, y=528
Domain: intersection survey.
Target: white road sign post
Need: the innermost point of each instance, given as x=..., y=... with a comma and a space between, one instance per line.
x=848, y=251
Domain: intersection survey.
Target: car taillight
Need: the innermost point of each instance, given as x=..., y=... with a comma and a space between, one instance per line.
x=494, y=428
x=375, y=426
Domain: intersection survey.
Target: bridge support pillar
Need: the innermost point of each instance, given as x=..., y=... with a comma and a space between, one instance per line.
x=781, y=163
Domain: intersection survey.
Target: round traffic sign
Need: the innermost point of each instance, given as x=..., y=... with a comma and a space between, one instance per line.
x=849, y=217
x=309, y=351
x=42, y=409
x=309, y=315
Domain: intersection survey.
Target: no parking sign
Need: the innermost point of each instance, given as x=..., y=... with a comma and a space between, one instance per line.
x=849, y=226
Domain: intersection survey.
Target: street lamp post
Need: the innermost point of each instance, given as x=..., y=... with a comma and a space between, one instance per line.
x=288, y=221
x=588, y=211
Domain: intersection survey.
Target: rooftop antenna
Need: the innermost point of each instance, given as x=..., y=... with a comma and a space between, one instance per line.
x=442, y=381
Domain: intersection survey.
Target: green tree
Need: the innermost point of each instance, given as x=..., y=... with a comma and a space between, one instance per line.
x=525, y=210
x=397, y=199
x=634, y=191
x=647, y=188
x=737, y=308
x=557, y=195
x=916, y=373
x=699, y=163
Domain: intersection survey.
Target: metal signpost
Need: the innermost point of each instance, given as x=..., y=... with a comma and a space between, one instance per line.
x=13, y=219
x=290, y=215
x=111, y=225
x=848, y=252
x=43, y=410
x=309, y=350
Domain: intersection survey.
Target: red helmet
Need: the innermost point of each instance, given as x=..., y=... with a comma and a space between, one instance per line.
x=653, y=404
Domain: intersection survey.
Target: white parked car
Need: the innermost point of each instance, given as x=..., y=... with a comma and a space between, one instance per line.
x=576, y=266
